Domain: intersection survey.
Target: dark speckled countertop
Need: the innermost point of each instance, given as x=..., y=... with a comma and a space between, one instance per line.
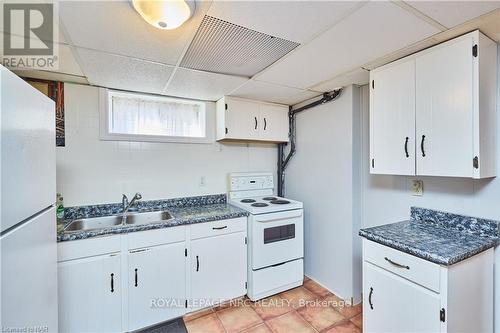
x=439, y=237
x=184, y=211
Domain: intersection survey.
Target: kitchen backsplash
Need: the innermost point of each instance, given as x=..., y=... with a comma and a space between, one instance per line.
x=474, y=225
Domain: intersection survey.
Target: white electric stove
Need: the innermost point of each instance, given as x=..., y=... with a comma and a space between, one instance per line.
x=275, y=234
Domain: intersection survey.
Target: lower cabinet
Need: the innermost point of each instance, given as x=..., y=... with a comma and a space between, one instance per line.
x=396, y=305
x=404, y=293
x=123, y=283
x=90, y=295
x=218, y=269
x=157, y=284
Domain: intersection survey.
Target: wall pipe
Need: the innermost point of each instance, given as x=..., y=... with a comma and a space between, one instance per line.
x=282, y=160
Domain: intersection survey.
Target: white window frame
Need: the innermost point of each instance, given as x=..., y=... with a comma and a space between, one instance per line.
x=105, y=106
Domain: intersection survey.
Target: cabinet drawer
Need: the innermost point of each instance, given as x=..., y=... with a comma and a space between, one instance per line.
x=156, y=237
x=221, y=227
x=84, y=248
x=420, y=271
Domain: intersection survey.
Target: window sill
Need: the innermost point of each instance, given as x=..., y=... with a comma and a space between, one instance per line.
x=154, y=138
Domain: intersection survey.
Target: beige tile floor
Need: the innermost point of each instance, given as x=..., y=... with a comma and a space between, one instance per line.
x=306, y=309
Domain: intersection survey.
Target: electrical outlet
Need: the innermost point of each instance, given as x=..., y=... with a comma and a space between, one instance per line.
x=417, y=187
x=202, y=181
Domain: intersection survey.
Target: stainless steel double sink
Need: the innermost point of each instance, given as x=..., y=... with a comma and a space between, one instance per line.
x=95, y=223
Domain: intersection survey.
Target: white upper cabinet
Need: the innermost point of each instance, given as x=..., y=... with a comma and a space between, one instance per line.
x=274, y=122
x=393, y=119
x=246, y=120
x=444, y=100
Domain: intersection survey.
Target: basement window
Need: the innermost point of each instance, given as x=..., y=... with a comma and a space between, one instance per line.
x=140, y=117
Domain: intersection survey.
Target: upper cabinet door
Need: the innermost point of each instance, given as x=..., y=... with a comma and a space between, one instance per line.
x=273, y=122
x=242, y=119
x=444, y=103
x=392, y=119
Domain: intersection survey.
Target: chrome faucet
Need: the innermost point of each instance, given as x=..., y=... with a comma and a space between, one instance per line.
x=126, y=205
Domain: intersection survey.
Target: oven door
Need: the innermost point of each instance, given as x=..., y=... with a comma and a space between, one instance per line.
x=276, y=238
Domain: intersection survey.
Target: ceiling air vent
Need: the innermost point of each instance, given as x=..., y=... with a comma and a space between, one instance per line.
x=223, y=47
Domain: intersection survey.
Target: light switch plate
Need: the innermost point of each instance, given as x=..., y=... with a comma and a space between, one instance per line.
x=417, y=187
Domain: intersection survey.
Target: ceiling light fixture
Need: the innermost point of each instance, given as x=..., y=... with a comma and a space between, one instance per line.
x=165, y=14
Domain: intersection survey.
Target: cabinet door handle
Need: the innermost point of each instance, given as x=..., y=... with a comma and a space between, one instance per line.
x=370, y=298
x=255, y=122
x=136, y=277
x=112, y=282
x=219, y=228
x=395, y=263
x=406, y=147
x=197, y=264
x=265, y=124
x=422, y=146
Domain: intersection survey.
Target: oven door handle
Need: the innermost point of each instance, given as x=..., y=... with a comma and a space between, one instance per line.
x=267, y=219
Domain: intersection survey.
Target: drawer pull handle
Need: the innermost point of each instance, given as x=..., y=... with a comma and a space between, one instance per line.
x=370, y=298
x=422, y=146
x=219, y=228
x=406, y=147
x=396, y=264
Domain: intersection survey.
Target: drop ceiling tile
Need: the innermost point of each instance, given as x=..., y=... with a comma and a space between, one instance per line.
x=270, y=92
x=67, y=63
x=452, y=13
x=115, y=27
x=126, y=73
x=202, y=85
x=297, y=21
x=358, y=76
x=374, y=30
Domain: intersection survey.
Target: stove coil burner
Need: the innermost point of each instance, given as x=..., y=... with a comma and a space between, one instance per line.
x=248, y=200
x=269, y=198
x=260, y=204
x=280, y=202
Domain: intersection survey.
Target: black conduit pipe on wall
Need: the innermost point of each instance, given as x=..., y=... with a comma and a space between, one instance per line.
x=282, y=160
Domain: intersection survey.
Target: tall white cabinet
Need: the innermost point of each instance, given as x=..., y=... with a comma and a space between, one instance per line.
x=434, y=113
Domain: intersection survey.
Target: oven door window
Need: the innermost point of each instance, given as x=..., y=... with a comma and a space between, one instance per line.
x=279, y=233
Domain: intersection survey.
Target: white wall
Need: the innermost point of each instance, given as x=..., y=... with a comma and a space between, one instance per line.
x=90, y=171
x=323, y=174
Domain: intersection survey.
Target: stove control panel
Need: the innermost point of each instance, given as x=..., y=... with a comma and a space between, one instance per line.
x=251, y=181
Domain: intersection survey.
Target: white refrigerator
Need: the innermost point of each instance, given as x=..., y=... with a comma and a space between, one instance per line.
x=28, y=249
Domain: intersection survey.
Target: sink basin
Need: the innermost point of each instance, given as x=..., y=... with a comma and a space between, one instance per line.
x=95, y=223
x=150, y=217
